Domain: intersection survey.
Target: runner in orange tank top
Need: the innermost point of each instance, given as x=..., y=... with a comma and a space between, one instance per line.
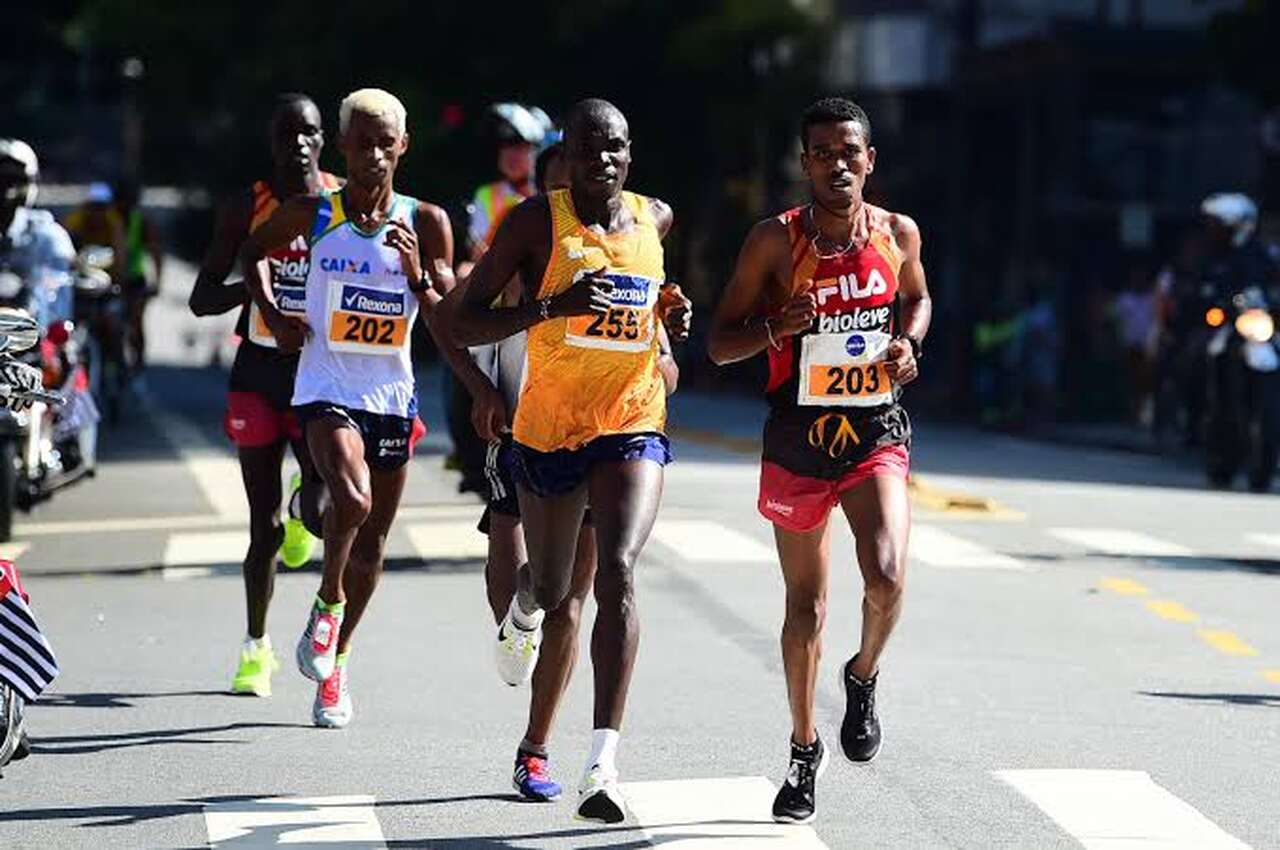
x=589, y=426
x=836, y=294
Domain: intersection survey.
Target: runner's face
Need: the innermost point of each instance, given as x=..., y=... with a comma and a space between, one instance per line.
x=297, y=137
x=515, y=162
x=372, y=146
x=599, y=156
x=837, y=163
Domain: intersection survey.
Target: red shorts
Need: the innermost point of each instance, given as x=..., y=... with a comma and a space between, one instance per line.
x=251, y=422
x=798, y=503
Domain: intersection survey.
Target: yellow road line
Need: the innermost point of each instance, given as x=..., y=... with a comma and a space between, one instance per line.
x=1271, y=676
x=1123, y=586
x=1170, y=610
x=1228, y=643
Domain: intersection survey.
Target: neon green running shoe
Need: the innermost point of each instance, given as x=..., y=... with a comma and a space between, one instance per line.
x=298, y=542
x=257, y=663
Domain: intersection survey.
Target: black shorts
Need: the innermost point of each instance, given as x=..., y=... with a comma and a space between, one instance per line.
x=499, y=472
x=388, y=439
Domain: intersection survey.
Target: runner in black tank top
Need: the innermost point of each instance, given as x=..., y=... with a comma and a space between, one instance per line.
x=259, y=419
x=836, y=294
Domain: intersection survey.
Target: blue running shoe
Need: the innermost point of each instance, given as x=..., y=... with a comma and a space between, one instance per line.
x=532, y=780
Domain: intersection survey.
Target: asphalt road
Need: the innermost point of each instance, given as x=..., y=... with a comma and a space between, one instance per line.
x=1091, y=660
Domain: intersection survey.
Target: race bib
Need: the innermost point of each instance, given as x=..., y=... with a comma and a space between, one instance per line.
x=844, y=370
x=292, y=301
x=628, y=326
x=368, y=317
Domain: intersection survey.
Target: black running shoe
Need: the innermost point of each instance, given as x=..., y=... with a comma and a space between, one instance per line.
x=795, y=800
x=860, y=731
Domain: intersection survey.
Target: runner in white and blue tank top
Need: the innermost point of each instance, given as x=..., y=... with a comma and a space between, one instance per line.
x=370, y=249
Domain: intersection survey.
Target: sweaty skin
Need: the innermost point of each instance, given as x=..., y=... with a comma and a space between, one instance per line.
x=837, y=163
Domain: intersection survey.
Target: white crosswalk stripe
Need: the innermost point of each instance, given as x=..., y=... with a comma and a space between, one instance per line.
x=937, y=548
x=1120, y=541
x=714, y=814
x=213, y=547
x=1119, y=810
x=336, y=822
x=701, y=540
x=448, y=539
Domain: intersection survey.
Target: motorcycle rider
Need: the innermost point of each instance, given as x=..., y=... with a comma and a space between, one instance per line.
x=36, y=253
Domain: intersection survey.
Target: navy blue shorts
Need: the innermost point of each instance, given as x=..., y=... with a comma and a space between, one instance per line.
x=388, y=439
x=564, y=470
x=499, y=469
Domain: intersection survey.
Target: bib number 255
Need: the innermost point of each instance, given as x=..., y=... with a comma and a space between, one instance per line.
x=618, y=323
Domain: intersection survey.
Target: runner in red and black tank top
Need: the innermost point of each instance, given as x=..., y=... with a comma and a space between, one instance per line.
x=259, y=419
x=836, y=293
x=832, y=402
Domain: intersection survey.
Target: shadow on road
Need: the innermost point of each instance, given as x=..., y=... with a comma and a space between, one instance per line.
x=1264, y=566
x=1272, y=700
x=88, y=744
x=115, y=700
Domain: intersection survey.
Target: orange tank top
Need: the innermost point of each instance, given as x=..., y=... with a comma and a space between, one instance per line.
x=589, y=376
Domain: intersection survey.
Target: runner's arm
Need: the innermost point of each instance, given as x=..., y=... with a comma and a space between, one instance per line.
x=151, y=234
x=738, y=330
x=212, y=295
x=917, y=306
x=473, y=318
x=435, y=238
x=663, y=216
x=667, y=366
x=293, y=219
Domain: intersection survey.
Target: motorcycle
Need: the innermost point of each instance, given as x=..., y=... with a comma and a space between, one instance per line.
x=1242, y=391
x=22, y=682
x=100, y=313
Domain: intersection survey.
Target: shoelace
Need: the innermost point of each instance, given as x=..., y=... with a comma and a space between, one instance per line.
x=535, y=767
x=800, y=770
x=331, y=688
x=866, y=696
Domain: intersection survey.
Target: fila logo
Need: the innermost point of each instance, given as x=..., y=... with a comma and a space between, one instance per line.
x=849, y=289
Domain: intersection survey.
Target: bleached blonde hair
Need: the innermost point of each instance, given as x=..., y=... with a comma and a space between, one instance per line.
x=375, y=102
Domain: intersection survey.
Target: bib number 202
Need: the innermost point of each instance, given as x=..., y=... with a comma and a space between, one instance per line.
x=370, y=330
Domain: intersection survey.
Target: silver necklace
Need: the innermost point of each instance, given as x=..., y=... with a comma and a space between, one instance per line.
x=819, y=235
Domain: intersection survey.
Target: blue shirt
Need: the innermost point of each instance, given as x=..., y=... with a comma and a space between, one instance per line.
x=40, y=253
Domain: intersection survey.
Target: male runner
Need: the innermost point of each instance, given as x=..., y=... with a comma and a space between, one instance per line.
x=501, y=522
x=259, y=418
x=354, y=390
x=836, y=433
x=588, y=429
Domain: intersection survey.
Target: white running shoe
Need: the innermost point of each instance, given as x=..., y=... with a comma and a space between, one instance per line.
x=517, y=651
x=318, y=647
x=599, y=800
x=333, y=708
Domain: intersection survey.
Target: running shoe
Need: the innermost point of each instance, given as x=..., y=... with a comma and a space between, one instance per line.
x=333, y=708
x=318, y=646
x=298, y=543
x=599, y=800
x=531, y=779
x=860, y=730
x=517, y=649
x=257, y=663
x=795, y=800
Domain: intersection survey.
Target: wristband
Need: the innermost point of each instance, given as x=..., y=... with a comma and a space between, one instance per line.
x=423, y=284
x=769, y=333
x=544, y=308
x=916, y=349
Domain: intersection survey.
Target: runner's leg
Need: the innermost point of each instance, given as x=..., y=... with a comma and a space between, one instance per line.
x=364, y=568
x=879, y=513
x=551, y=527
x=506, y=557
x=624, y=504
x=338, y=452
x=260, y=469
x=805, y=572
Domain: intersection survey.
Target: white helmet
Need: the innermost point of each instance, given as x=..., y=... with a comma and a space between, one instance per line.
x=21, y=152
x=1235, y=211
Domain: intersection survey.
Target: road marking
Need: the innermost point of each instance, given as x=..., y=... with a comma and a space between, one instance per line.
x=1228, y=643
x=1119, y=810
x=939, y=548
x=1171, y=610
x=700, y=540
x=213, y=467
x=712, y=814
x=1272, y=540
x=215, y=547
x=1123, y=586
x=184, y=573
x=14, y=550
x=1120, y=541
x=272, y=821
x=1271, y=676
x=456, y=539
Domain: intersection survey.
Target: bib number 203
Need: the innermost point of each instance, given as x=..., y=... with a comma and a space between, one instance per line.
x=616, y=324
x=854, y=380
x=369, y=330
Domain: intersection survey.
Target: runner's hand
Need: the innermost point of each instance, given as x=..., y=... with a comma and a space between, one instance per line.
x=489, y=415
x=404, y=239
x=589, y=294
x=16, y=380
x=291, y=332
x=796, y=316
x=676, y=311
x=900, y=362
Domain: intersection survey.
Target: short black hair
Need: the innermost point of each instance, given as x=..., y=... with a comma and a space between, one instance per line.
x=833, y=110
x=590, y=112
x=543, y=162
x=287, y=100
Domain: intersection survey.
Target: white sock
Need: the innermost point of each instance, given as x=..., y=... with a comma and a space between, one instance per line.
x=604, y=747
x=252, y=643
x=525, y=621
